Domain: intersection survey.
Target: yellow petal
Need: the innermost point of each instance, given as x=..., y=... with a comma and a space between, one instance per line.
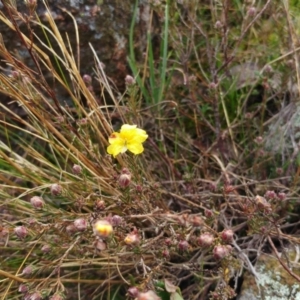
x=127, y=127
x=135, y=148
x=116, y=149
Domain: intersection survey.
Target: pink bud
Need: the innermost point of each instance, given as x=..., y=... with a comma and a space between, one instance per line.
x=220, y=251
x=270, y=195
x=34, y=296
x=23, y=288
x=46, y=248
x=133, y=292
x=183, y=245
x=80, y=224
x=150, y=295
x=27, y=270
x=196, y=221
x=87, y=78
x=166, y=253
x=129, y=80
x=55, y=189
x=132, y=238
x=208, y=213
x=227, y=235
x=37, y=202
x=205, y=240
x=168, y=242
x=124, y=180
x=116, y=220
x=21, y=232
x=76, y=169
x=282, y=196
x=57, y=297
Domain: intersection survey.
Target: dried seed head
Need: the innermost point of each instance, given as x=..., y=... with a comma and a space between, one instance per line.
x=205, y=240
x=80, y=224
x=37, y=202
x=102, y=228
x=21, y=232
x=227, y=236
x=76, y=169
x=56, y=189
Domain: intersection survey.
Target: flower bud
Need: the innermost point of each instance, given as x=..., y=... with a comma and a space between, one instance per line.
x=262, y=203
x=227, y=236
x=251, y=11
x=21, y=232
x=76, y=169
x=183, y=245
x=218, y=25
x=270, y=195
x=168, y=242
x=129, y=80
x=132, y=238
x=102, y=228
x=46, y=248
x=34, y=296
x=80, y=224
x=57, y=297
x=116, y=220
x=124, y=180
x=87, y=78
x=55, y=189
x=28, y=270
x=23, y=288
x=150, y=295
x=205, y=240
x=195, y=221
x=71, y=229
x=37, y=202
x=99, y=205
x=165, y=253
x=220, y=251
x=100, y=245
x=133, y=292
x=282, y=196
x=208, y=213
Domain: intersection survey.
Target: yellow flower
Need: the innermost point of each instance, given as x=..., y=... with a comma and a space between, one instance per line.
x=129, y=138
x=102, y=228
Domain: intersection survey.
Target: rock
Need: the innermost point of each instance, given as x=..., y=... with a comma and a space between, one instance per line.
x=274, y=281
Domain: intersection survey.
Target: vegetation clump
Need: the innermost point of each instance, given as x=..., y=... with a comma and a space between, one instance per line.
x=198, y=196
